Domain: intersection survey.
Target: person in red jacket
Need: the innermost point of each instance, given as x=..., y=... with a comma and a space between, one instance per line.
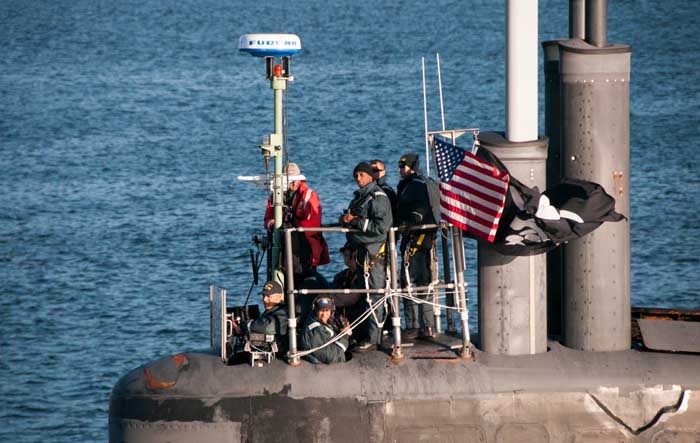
x=302, y=208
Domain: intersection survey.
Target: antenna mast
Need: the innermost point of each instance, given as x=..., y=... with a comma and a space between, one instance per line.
x=272, y=47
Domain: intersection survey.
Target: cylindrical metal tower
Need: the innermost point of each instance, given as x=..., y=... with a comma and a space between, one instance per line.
x=513, y=290
x=577, y=19
x=597, y=22
x=521, y=70
x=595, y=147
x=552, y=129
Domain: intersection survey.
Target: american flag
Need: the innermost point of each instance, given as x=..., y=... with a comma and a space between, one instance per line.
x=472, y=191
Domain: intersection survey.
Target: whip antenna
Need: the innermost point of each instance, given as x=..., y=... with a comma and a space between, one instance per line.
x=442, y=107
x=425, y=121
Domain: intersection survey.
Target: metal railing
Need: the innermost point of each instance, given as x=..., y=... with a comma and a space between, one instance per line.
x=458, y=287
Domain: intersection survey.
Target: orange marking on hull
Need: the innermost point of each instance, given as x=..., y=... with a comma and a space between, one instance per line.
x=153, y=383
x=180, y=360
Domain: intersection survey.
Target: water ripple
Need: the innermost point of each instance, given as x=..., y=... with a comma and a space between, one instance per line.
x=124, y=124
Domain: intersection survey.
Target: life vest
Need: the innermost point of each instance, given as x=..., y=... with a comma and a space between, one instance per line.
x=304, y=212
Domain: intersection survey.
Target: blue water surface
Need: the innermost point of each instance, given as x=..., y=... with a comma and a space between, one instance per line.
x=124, y=124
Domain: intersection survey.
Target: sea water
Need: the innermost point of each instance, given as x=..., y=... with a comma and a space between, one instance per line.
x=123, y=126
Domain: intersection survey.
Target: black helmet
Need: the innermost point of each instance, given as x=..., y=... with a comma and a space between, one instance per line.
x=323, y=302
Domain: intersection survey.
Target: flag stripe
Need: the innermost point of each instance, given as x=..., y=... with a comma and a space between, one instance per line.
x=482, y=164
x=492, y=175
x=471, y=185
x=468, y=225
x=485, y=180
x=474, y=202
x=472, y=191
x=479, y=223
x=486, y=219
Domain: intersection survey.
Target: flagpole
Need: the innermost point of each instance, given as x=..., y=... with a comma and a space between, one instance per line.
x=437, y=175
x=425, y=121
x=442, y=107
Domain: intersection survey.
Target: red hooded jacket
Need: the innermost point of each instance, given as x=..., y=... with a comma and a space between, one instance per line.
x=305, y=212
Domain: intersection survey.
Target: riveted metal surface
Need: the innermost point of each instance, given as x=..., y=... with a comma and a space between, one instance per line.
x=512, y=290
x=595, y=147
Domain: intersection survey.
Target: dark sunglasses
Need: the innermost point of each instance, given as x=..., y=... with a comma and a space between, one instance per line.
x=377, y=170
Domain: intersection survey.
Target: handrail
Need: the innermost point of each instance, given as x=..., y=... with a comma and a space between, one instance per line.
x=371, y=291
x=292, y=321
x=335, y=227
x=459, y=286
x=396, y=352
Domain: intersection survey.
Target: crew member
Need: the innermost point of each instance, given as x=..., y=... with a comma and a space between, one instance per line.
x=345, y=279
x=319, y=329
x=369, y=213
x=309, y=278
x=302, y=208
x=414, y=209
x=379, y=176
x=274, y=320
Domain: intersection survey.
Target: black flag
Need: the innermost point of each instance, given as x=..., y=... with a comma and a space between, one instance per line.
x=534, y=223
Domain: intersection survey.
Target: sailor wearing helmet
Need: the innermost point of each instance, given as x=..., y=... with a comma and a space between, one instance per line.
x=319, y=329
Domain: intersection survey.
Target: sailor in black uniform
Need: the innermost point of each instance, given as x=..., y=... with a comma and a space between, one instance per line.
x=416, y=246
x=348, y=304
x=379, y=176
x=369, y=212
x=345, y=278
x=274, y=320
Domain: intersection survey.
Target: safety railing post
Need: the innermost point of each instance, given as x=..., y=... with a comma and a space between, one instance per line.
x=211, y=316
x=397, y=352
x=291, y=302
x=449, y=295
x=458, y=254
x=435, y=278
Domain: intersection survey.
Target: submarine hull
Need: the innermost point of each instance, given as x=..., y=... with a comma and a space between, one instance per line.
x=559, y=396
